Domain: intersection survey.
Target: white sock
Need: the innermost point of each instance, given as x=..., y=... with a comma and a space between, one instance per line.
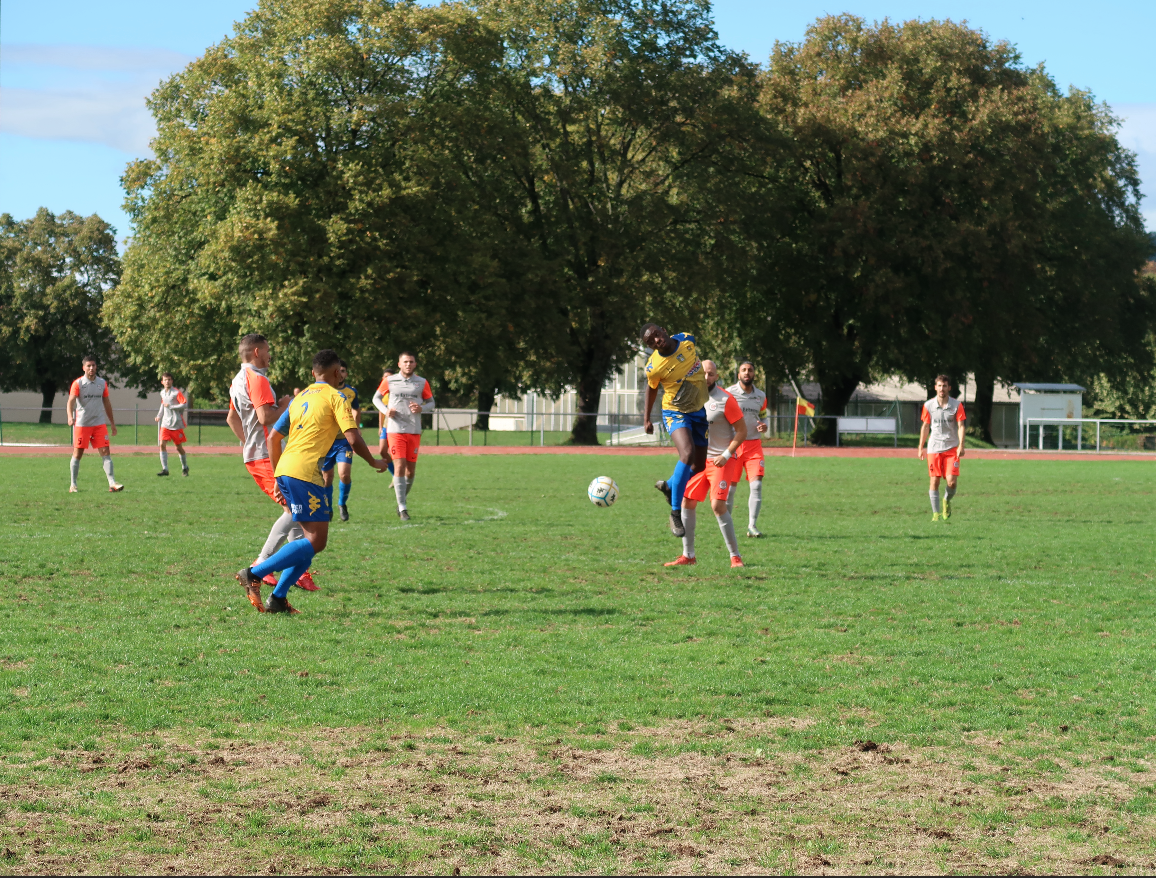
x=399, y=486
x=74, y=469
x=107, y=462
x=950, y=491
x=731, y=498
x=755, y=503
x=278, y=534
x=688, y=518
x=184, y=460
x=164, y=460
x=408, y=485
x=727, y=525
x=934, y=493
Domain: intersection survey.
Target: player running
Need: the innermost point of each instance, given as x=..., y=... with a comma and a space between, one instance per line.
x=171, y=419
x=944, y=421
x=382, y=420
x=252, y=410
x=341, y=455
x=403, y=398
x=675, y=366
x=90, y=416
x=313, y=420
x=753, y=402
x=727, y=432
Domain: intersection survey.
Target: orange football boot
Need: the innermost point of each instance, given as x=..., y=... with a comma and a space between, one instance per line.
x=680, y=561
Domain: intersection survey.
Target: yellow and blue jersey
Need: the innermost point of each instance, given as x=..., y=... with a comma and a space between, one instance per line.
x=317, y=416
x=341, y=443
x=681, y=376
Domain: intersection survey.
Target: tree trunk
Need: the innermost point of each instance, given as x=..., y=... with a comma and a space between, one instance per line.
x=836, y=394
x=47, y=394
x=485, y=404
x=980, y=421
x=585, y=430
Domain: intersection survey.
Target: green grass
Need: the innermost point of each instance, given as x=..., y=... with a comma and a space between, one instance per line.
x=510, y=606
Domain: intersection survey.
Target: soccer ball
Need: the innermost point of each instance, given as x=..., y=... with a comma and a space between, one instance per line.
x=602, y=491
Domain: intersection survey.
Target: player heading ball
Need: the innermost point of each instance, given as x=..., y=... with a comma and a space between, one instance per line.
x=315, y=417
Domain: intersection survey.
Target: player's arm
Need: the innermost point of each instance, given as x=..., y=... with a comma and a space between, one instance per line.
x=739, y=423
x=108, y=411
x=427, y=401
x=381, y=403
x=961, y=421
x=357, y=443
x=651, y=396
x=274, y=443
x=160, y=411
x=70, y=406
x=267, y=415
x=234, y=421
x=924, y=432
x=764, y=420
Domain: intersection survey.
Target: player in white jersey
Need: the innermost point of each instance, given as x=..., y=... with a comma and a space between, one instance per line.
x=403, y=398
x=726, y=432
x=253, y=409
x=90, y=416
x=171, y=422
x=753, y=402
x=944, y=423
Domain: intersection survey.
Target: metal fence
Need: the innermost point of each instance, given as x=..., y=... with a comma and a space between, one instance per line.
x=1112, y=434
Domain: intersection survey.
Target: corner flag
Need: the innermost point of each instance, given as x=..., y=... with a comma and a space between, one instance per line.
x=802, y=407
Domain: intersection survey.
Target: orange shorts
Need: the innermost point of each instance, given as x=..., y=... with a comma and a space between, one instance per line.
x=82, y=437
x=945, y=463
x=177, y=436
x=750, y=455
x=717, y=480
x=262, y=473
x=403, y=446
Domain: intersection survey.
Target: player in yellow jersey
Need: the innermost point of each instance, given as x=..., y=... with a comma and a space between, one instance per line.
x=674, y=366
x=315, y=417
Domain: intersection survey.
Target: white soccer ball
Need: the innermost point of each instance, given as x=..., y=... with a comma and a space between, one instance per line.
x=602, y=491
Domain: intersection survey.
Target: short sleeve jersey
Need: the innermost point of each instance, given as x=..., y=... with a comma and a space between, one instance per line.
x=722, y=413
x=173, y=417
x=249, y=391
x=944, y=422
x=90, y=397
x=753, y=404
x=397, y=392
x=317, y=416
x=680, y=375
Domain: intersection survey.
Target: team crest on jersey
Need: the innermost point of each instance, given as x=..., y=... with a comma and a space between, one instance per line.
x=681, y=358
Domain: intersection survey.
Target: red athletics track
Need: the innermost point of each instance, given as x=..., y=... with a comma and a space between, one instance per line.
x=972, y=453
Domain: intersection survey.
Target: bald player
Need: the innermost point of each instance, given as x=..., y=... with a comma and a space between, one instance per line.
x=90, y=416
x=403, y=398
x=753, y=402
x=726, y=432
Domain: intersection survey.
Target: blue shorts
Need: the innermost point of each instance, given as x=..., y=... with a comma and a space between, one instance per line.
x=307, y=501
x=341, y=452
x=693, y=421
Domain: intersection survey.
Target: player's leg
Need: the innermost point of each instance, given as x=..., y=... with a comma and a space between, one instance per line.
x=722, y=485
x=403, y=450
x=344, y=484
x=74, y=465
x=675, y=487
x=952, y=479
x=697, y=490
x=933, y=491
x=106, y=459
x=164, y=452
x=184, y=458
x=294, y=558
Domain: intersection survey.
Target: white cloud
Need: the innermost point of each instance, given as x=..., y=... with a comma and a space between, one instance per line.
x=1138, y=133
x=90, y=94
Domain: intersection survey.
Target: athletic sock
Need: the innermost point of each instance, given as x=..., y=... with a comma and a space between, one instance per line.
x=755, y=503
x=278, y=535
x=164, y=460
x=107, y=463
x=408, y=486
x=727, y=525
x=950, y=491
x=677, y=483
x=184, y=460
x=294, y=559
x=731, y=498
x=399, y=485
x=74, y=469
x=343, y=492
x=688, y=519
x=934, y=493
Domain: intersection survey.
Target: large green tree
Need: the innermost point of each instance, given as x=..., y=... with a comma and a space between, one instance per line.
x=54, y=274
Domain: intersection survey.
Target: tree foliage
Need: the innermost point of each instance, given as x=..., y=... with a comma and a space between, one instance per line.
x=54, y=274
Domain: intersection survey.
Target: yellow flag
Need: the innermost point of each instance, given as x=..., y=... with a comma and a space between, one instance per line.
x=803, y=407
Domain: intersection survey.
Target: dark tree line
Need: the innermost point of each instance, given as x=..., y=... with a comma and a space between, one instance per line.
x=513, y=186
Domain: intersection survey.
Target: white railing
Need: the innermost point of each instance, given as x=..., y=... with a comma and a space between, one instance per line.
x=1043, y=423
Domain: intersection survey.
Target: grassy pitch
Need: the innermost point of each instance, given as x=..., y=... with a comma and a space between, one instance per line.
x=512, y=682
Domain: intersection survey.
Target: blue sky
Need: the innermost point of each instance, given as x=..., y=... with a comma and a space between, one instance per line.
x=74, y=75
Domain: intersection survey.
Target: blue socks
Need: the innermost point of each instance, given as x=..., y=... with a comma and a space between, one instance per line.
x=342, y=492
x=677, y=482
x=292, y=560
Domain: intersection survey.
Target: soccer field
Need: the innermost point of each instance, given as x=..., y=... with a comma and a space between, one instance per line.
x=513, y=682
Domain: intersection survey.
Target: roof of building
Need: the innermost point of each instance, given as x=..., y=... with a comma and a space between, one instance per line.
x=1049, y=388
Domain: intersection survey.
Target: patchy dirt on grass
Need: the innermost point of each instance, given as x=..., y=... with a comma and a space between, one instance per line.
x=705, y=796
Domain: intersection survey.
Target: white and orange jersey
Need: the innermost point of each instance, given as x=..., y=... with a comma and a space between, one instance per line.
x=90, y=397
x=398, y=392
x=722, y=413
x=173, y=415
x=944, y=421
x=754, y=406
x=249, y=391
